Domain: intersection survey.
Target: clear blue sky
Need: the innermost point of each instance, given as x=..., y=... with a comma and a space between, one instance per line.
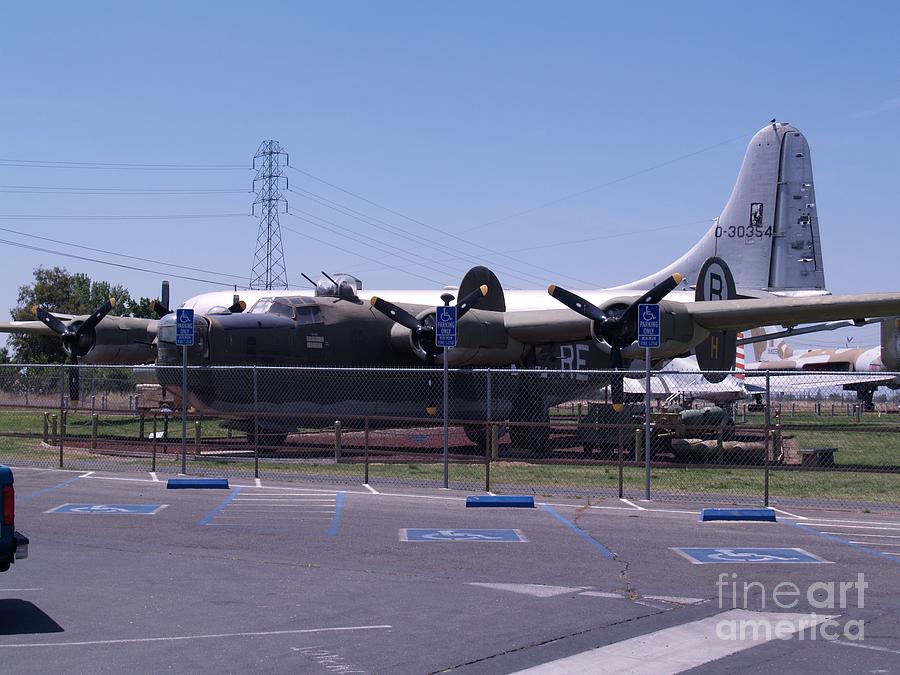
x=453, y=114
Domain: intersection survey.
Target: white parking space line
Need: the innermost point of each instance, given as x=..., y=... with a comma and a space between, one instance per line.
x=371, y=489
x=865, y=534
x=154, y=477
x=856, y=522
x=874, y=648
x=875, y=543
x=790, y=515
x=257, y=482
x=175, y=638
x=630, y=503
x=852, y=527
x=679, y=648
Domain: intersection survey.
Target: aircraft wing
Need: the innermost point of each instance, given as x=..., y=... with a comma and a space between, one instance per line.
x=542, y=326
x=560, y=325
x=746, y=314
x=796, y=381
x=30, y=327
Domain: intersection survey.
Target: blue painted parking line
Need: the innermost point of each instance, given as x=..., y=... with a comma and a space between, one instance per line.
x=207, y=519
x=49, y=489
x=338, y=513
x=110, y=509
x=466, y=535
x=771, y=556
x=581, y=533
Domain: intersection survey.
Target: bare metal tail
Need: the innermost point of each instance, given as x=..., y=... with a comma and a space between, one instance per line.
x=768, y=232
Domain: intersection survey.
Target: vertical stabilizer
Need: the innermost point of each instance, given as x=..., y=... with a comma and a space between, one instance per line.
x=890, y=344
x=768, y=232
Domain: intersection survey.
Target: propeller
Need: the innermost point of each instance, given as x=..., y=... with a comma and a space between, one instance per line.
x=161, y=306
x=237, y=305
x=617, y=329
x=77, y=338
x=423, y=331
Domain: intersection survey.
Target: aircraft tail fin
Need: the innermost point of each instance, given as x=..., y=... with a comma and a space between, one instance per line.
x=768, y=232
x=890, y=344
x=495, y=300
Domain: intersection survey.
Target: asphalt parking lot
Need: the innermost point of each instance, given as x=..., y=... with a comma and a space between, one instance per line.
x=126, y=575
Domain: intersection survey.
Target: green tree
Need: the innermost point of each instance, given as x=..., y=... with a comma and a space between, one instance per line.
x=62, y=293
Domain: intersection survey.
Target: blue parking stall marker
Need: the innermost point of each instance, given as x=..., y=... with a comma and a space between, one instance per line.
x=760, y=515
x=736, y=555
x=202, y=483
x=512, y=501
x=463, y=535
x=110, y=509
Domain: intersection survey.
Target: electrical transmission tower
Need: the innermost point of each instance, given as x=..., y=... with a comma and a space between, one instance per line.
x=268, y=264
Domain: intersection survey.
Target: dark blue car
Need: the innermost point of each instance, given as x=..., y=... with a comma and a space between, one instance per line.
x=13, y=545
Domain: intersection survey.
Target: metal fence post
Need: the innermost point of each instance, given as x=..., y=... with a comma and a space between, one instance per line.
x=62, y=408
x=255, y=424
x=337, y=440
x=768, y=439
x=366, y=442
x=94, y=420
x=54, y=430
x=46, y=427
x=198, y=432
x=141, y=427
x=154, y=443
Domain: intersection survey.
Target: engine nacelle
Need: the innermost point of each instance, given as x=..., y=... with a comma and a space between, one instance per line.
x=482, y=340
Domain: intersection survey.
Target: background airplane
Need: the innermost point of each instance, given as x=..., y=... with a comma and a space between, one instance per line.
x=854, y=368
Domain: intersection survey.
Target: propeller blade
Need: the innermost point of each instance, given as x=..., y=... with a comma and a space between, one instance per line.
x=391, y=311
x=74, y=378
x=96, y=317
x=577, y=303
x=470, y=300
x=161, y=306
x=50, y=321
x=617, y=383
x=653, y=296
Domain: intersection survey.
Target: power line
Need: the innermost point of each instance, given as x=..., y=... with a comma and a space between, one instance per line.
x=397, y=231
x=332, y=245
x=185, y=216
x=46, y=189
x=54, y=164
x=465, y=254
x=105, y=262
x=121, y=255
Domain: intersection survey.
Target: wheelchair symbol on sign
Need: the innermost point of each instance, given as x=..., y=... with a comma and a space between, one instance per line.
x=730, y=555
x=453, y=535
x=99, y=508
x=649, y=315
x=184, y=317
x=446, y=315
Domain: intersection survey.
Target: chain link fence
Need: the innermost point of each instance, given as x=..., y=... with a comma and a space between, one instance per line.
x=777, y=438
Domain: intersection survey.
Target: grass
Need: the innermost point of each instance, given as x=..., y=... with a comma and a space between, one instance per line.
x=873, y=442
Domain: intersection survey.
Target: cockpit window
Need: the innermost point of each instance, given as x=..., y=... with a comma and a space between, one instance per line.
x=301, y=308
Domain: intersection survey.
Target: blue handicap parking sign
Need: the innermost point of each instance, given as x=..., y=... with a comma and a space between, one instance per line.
x=413, y=534
x=110, y=509
x=776, y=556
x=445, y=326
x=648, y=325
x=184, y=327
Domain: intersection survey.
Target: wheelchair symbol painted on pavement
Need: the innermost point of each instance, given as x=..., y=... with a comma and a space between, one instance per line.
x=428, y=535
x=705, y=556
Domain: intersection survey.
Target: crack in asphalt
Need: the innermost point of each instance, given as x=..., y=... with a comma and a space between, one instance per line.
x=545, y=642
